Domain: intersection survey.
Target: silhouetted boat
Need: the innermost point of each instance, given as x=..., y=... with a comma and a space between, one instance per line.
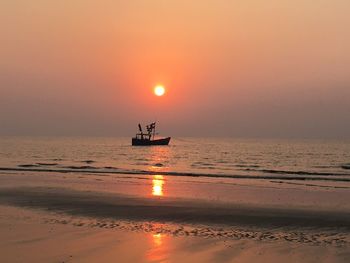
x=147, y=139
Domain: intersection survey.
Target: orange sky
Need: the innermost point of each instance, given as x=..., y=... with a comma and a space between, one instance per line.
x=272, y=68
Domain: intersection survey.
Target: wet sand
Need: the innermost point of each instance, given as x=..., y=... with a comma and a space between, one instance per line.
x=55, y=218
x=171, y=210
x=28, y=236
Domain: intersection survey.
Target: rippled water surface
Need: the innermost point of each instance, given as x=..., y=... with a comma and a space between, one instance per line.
x=190, y=156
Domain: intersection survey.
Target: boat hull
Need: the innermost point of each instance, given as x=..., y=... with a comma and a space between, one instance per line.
x=140, y=142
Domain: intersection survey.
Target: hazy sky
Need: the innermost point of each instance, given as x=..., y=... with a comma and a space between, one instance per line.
x=247, y=68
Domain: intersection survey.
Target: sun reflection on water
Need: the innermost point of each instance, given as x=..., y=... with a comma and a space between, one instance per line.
x=157, y=185
x=157, y=239
x=158, y=250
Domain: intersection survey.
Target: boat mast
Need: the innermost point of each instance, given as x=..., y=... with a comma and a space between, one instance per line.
x=154, y=130
x=141, y=132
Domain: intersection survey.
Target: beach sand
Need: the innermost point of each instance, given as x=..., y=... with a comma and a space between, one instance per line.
x=63, y=218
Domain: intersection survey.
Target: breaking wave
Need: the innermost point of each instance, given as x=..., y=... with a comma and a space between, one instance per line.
x=258, y=173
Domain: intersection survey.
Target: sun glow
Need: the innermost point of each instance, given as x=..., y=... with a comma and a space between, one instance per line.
x=159, y=90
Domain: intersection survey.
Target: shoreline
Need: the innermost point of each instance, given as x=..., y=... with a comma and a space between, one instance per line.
x=277, y=175
x=170, y=210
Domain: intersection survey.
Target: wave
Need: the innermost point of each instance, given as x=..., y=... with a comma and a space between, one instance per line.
x=83, y=167
x=88, y=161
x=295, y=172
x=283, y=175
x=346, y=166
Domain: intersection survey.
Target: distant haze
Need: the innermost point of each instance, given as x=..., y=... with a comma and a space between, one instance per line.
x=245, y=68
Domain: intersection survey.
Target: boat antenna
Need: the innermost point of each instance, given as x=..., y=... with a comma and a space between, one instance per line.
x=140, y=128
x=141, y=132
x=154, y=129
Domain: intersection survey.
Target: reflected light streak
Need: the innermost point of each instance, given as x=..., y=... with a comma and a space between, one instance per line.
x=159, y=252
x=157, y=185
x=157, y=239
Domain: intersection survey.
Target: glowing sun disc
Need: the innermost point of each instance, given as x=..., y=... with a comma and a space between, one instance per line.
x=159, y=90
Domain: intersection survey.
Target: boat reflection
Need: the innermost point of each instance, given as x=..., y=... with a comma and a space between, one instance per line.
x=157, y=185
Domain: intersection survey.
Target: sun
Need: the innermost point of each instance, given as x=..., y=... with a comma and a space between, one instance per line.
x=159, y=90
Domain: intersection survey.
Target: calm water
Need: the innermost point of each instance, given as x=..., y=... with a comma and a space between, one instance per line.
x=321, y=160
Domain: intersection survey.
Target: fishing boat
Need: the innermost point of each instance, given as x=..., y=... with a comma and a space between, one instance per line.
x=147, y=139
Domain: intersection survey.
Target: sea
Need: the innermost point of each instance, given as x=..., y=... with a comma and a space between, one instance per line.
x=262, y=159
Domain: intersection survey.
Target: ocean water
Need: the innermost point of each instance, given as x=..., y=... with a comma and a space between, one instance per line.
x=197, y=157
